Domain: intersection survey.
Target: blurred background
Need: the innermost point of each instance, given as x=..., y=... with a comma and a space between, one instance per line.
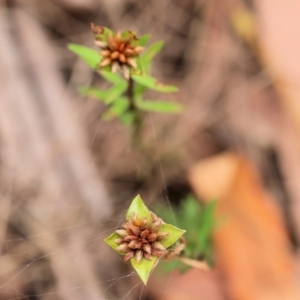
x=67, y=176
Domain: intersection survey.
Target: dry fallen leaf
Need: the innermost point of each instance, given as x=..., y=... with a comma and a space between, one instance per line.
x=193, y=285
x=253, y=250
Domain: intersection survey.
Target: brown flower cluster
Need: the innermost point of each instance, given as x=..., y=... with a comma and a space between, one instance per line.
x=140, y=239
x=116, y=51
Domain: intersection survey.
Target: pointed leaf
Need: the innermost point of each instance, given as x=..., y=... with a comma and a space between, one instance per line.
x=111, y=241
x=207, y=226
x=143, y=40
x=153, y=50
x=115, y=92
x=90, y=56
x=160, y=106
x=127, y=118
x=139, y=208
x=139, y=91
x=95, y=93
x=107, y=32
x=129, y=33
x=150, y=53
x=113, y=78
x=140, y=67
x=144, y=267
x=174, y=234
x=117, y=109
x=153, y=84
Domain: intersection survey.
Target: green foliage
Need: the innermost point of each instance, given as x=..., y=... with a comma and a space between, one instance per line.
x=150, y=53
x=160, y=106
x=199, y=223
x=127, y=90
x=117, y=109
x=90, y=56
x=143, y=40
x=153, y=84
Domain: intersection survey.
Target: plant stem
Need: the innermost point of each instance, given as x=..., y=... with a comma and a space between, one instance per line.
x=138, y=120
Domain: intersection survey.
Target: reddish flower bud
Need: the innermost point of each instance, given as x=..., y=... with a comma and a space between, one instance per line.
x=145, y=223
x=158, y=246
x=119, y=241
x=138, y=49
x=139, y=255
x=148, y=256
x=133, y=244
x=132, y=62
x=121, y=47
x=134, y=229
x=156, y=225
x=115, y=55
x=105, y=62
x=159, y=253
x=100, y=44
x=114, y=66
x=129, y=255
x=145, y=233
x=105, y=53
x=123, y=247
x=112, y=44
x=122, y=58
x=130, y=238
x=147, y=248
x=152, y=237
x=125, y=70
x=129, y=52
x=122, y=232
x=162, y=235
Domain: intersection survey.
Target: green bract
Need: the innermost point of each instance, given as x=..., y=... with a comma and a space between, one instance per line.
x=140, y=220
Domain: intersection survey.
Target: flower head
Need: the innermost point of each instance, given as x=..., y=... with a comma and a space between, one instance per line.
x=141, y=239
x=144, y=238
x=118, y=50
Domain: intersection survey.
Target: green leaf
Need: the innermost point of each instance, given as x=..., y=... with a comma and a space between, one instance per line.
x=169, y=266
x=140, y=67
x=191, y=213
x=153, y=84
x=128, y=33
x=120, y=86
x=139, y=208
x=111, y=241
x=160, y=106
x=107, y=32
x=106, y=96
x=144, y=267
x=117, y=109
x=174, y=234
x=127, y=118
x=207, y=226
x=113, y=78
x=143, y=40
x=104, y=35
x=139, y=90
x=90, y=56
x=115, y=92
x=95, y=93
x=150, y=53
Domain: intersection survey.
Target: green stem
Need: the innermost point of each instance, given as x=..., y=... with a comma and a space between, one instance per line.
x=138, y=119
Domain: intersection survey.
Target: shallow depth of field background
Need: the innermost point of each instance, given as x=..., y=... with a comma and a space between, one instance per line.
x=67, y=176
